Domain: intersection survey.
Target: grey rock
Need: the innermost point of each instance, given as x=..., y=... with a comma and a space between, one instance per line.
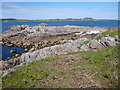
x=5, y=73
x=21, y=64
x=42, y=31
x=116, y=37
x=94, y=44
x=84, y=48
x=18, y=27
x=16, y=55
x=108, y=41
x=70, y=46
x=8, y=71
x=43, y=24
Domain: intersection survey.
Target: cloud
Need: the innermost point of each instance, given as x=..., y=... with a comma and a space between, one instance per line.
x=38, y=12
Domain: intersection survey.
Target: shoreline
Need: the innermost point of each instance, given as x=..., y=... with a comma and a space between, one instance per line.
x=58, y=20
x=48, y=41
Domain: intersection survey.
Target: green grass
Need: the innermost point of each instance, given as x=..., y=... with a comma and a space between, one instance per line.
x=43, y=73
x=111, y=32
x=104, y=62
x=82, y=44
x=27, y=75
x=101, y=60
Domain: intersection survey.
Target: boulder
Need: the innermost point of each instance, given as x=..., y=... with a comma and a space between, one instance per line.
x=94, y=44
x=108, y=41
x=116, y=37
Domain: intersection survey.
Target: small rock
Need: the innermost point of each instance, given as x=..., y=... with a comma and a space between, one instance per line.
x=26, y=49
x=32, y=49
x=116, y=37
x=42, y=24
x=16, y=55
x=23, y=63
x=13, y=51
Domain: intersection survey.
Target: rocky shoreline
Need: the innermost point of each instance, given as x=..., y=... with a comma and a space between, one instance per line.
x=45, y=41
x=43, y=35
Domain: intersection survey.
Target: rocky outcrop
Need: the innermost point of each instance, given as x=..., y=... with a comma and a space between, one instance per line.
x=43, y=30
x=70, y=46
x=18, y=27
x=95, y=45
x=108, y=41
x=45, y=41
x=84, y=48
x=43, y=24
x=33, y=38
x=14, y=30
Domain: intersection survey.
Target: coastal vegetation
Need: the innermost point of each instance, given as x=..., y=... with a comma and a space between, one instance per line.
x=111, y=32
x=72, y=70
x=81, y=69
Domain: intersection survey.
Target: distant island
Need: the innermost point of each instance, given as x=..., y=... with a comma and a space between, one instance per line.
x=67, y=19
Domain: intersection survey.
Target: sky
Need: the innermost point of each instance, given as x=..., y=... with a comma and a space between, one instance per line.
x=59, y=10
x=59, y=0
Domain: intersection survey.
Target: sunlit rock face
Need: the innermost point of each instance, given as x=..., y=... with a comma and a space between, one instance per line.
x=70, y=46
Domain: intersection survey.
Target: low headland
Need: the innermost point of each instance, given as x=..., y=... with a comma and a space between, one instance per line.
x=61, y=56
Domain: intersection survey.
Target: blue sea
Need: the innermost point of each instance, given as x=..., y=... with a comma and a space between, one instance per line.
x=6, y=50
x=108, y=23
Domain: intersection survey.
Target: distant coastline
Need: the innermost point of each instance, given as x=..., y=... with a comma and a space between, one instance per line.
x=67, y=19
